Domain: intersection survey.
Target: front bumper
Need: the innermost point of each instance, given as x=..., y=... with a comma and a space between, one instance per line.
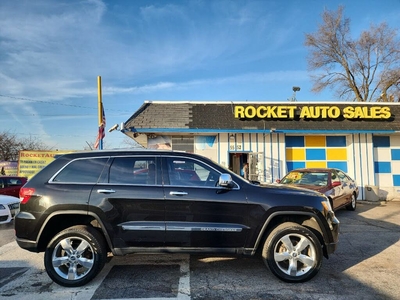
x=334, y=226
x=7, y=214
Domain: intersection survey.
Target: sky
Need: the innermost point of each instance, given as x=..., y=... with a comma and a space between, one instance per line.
x=52, y=52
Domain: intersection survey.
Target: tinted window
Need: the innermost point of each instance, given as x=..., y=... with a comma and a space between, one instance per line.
x=134, y=170
x=82, y=171
x=14, y=181
x=343, y=177
x=335, y=177
x=187, y=172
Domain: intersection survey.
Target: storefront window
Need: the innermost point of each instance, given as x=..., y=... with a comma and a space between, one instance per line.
x=183, y=143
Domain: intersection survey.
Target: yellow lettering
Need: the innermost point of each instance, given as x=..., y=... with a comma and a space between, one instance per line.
x=334, y=112
x=272, y=112
x=291, y=111
x=367, y=113
x=281, y=113
x=250, y=112
x=305, y=112
x=348, y=112
x=286, y=111
x=239, y=112
x=375, y=112
x=385, y=112
x=261, y=114
x=311, y=112
x=322, y=111
x=358, y=112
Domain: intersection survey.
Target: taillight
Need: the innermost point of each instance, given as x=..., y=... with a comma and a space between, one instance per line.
x=25, y=194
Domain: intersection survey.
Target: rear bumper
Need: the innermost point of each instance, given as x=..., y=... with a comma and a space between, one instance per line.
x=27, y=244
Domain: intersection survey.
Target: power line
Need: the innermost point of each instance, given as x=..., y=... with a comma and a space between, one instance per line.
x=58, y=103
x=68, y=115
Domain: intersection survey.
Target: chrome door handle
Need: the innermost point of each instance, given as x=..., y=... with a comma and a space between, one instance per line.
x=105, y=191
x=178, y=193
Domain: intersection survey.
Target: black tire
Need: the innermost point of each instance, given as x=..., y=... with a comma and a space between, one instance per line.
x=285, y=261
x=75, y=256
x=353, y=203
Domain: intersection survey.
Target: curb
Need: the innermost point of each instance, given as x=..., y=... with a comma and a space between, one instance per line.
x=380, y=202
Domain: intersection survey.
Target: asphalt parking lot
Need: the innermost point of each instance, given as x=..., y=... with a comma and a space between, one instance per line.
x=365, y=266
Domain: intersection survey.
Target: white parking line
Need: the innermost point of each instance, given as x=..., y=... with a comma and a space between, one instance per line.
x=183, y=260
x=35, y=284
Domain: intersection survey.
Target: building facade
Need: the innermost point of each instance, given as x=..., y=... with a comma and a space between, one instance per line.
x=362, y=139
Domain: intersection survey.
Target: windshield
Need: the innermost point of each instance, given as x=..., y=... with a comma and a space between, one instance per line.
x=306, y=178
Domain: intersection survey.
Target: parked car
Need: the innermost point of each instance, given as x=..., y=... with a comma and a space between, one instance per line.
x=83, y=205
x=339, y=187
x=10, y=185
x=9, y=207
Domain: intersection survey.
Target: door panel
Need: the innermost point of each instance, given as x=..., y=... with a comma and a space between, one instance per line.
x=133, y=200
x=199, y=214
x=339, y=193
x=346, y=187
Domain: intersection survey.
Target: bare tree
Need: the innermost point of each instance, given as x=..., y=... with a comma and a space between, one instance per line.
x=11, y=144
x=362, y=69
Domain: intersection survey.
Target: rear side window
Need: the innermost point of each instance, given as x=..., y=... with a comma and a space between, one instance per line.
x=134, y=170
x=343, y=177
x=82, y=171
x=14, y=181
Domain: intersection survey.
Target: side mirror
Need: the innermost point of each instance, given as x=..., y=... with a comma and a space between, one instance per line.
x=225, y=180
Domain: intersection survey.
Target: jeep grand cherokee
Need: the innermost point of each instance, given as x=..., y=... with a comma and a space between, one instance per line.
x=84, y=205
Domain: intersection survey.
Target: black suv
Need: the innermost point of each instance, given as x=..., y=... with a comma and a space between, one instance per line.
x=84, y=205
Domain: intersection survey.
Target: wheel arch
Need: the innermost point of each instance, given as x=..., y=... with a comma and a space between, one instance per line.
x=58, y=221
x=306, y=219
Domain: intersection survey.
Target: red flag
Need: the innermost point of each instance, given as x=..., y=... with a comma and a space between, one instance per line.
x=101, y=133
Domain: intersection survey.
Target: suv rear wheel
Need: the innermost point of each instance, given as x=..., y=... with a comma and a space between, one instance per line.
x=75, y=256
x=292, y=252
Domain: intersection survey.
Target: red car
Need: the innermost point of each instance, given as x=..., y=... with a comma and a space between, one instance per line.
x=339, y=187
x=10, y=185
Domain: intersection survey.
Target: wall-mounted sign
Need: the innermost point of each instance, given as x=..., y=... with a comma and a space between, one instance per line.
x=9, y=168
x=311, y=112
x=31, y=162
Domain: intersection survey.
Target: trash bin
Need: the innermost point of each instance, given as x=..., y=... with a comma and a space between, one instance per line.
x=371, y=193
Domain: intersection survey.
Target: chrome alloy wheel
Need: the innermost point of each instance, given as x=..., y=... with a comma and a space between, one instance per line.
x=295, y=255
x=72, y=258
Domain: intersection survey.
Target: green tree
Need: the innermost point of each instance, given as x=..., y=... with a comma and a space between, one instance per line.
x=363, y=69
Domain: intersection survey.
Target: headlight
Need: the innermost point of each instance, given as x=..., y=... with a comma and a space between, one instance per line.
x=2, y=206
x=327, y=204
x=330, y=215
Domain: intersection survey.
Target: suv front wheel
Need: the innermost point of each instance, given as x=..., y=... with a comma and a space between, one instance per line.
x=75, y=256
x=292, y=252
